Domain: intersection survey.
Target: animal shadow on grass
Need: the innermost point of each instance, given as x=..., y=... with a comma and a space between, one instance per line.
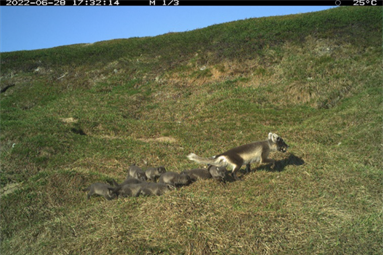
x=279, y=166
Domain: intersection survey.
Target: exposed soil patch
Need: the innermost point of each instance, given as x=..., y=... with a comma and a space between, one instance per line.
x=69, y=120
x=161, y=139
x=9, y=188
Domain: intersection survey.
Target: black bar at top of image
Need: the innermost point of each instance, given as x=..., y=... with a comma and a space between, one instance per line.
x=262, y=2
x=191, y=3
x=248, y=3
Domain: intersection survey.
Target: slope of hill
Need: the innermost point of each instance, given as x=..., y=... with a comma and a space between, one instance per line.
x=83, y=113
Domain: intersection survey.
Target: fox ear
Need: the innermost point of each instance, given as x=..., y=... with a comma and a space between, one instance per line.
x=273, y=137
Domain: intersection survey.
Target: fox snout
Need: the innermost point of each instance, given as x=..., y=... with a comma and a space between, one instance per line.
x=283, y=149
x=282, y=146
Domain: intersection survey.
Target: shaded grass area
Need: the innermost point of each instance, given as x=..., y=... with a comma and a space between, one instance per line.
x=72, y=123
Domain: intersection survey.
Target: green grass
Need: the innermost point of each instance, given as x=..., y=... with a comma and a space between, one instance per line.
x=81, y=114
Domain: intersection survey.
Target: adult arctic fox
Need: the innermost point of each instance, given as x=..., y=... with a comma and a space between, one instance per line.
x=245, y=154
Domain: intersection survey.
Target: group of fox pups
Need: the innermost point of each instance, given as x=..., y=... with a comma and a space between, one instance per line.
x=136, y=182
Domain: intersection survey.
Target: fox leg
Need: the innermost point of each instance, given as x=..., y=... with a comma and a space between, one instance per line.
x=265, y=159
x=234, y=172
x=91, y=193
x=268, y=160
x=248, y=168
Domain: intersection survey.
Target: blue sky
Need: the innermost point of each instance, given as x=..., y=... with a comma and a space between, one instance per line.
x=29, y=28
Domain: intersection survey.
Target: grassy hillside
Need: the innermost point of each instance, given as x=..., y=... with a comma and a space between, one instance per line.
x=81, y=114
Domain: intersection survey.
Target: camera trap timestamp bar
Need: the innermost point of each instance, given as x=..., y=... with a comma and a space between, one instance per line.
x=190, y=3
x=91, y=2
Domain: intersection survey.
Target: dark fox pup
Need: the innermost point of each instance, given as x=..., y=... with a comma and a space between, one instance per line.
x=102, y=189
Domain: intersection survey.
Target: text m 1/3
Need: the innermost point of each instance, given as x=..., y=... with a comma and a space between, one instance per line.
x=164, y=2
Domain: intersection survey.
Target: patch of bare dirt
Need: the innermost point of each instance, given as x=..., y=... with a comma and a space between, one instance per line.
x=9, y=188
x=69, y=120
x=161, y=139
